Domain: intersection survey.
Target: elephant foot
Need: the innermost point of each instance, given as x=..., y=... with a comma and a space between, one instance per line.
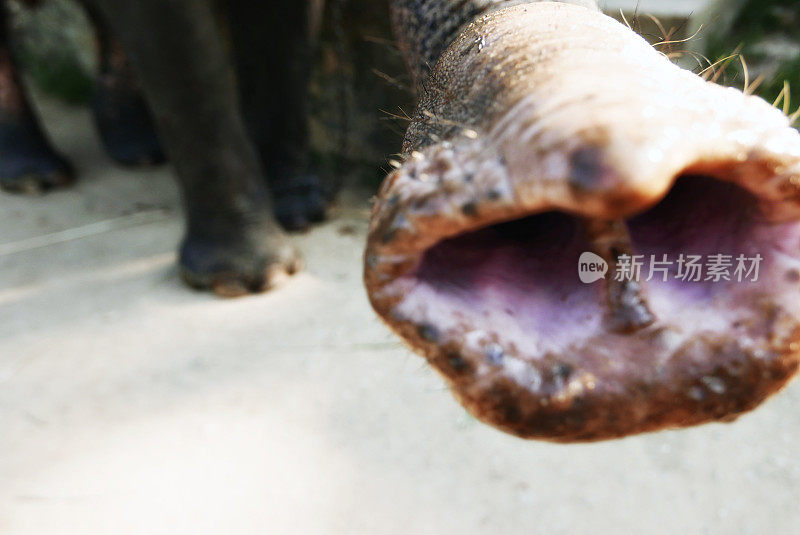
x=298, y=202
x=28, y=164
x=237, y=263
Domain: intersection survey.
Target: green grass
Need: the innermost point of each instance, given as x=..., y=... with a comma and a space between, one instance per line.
x=757, y=23
x=62, y=77
x=54, y=46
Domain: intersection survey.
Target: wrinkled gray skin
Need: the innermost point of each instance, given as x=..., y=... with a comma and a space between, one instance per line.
x=424, y=29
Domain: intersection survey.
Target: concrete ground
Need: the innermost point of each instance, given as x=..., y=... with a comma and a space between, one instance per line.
x=132, y=405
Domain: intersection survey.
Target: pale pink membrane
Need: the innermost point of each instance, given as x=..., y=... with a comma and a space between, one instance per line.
x=517, y=283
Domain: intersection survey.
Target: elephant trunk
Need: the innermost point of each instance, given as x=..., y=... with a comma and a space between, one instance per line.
x=550, y=140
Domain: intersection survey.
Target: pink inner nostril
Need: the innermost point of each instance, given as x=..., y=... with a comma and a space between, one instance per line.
x=701, y=215
x=519, y=276
x=524, y=251
x=719, y=223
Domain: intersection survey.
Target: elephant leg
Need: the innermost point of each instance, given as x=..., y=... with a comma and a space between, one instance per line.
x=233, y=243
x=28, y=163
x=273, y=49
x=121, y=114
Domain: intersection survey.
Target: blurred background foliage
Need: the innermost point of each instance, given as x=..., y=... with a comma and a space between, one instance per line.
x=360, y=91
x=767, y=34
x=55, y=45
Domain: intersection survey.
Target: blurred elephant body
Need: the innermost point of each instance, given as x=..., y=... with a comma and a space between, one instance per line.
x=236, y=141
